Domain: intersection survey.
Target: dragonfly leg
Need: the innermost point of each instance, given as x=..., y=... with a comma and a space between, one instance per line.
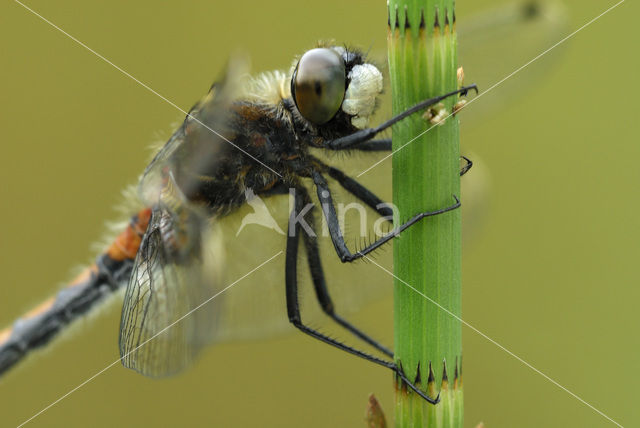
x=320, y=285
x=466, y=167
x=381, y=145
x=359, y=137
x=360, y=192
x=366, y=195
x=384, y=145
x=324, y=195
x=293, y=308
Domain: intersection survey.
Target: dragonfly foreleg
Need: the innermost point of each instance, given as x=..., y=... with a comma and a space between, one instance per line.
x=359, y=137
x=381, y=145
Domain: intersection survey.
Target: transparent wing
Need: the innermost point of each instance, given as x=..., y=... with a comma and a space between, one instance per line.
x=163, y=324
x=255, y=308
x=164, y=317
x=499, y=41
x=494, y=43
x=201, y=141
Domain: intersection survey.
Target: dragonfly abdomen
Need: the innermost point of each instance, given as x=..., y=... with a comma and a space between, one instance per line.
x=109, y=273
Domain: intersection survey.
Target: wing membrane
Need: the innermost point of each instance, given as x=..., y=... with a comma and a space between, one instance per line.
x=503, y=39
x=495, y=43
x=256, y=307
x=164, y=322
x=202, y=139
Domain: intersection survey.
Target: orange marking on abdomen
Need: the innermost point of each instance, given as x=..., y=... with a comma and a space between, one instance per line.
x=41, y=308
x=126, y=245
x=84, y=276
x=4, y=334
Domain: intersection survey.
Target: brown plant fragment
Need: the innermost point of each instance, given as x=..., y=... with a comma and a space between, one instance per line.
x=375, y=416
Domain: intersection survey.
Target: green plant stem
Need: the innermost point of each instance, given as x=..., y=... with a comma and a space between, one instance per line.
x=427, y=257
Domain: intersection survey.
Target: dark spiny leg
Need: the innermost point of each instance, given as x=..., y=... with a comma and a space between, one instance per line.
x=291, y=282
x=320, y=285
x=293, y=308
x=360, y=192
x=366, y=195
x=334, y=227
x=382, y=145
x=466, y=167
x=359, y=137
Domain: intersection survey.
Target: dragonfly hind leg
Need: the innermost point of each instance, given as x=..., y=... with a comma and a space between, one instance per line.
x=322, y=293
x=293, y=308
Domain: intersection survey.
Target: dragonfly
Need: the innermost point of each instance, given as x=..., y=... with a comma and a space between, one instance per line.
x=254, y=133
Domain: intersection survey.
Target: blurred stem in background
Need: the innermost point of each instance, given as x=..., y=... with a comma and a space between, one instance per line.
x=427, y=257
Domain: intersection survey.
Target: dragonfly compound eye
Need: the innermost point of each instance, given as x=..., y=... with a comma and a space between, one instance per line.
x=318, y=84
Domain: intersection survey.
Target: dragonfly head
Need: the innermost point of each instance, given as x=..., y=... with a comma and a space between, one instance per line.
x=334, y=84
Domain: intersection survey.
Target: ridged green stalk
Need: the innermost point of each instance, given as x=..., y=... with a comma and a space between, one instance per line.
x=427, y=257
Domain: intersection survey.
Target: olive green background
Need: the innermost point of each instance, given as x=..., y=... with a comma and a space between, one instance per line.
x=549, y=266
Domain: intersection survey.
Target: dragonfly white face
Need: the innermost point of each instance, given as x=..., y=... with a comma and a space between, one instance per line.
x=360, y=99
